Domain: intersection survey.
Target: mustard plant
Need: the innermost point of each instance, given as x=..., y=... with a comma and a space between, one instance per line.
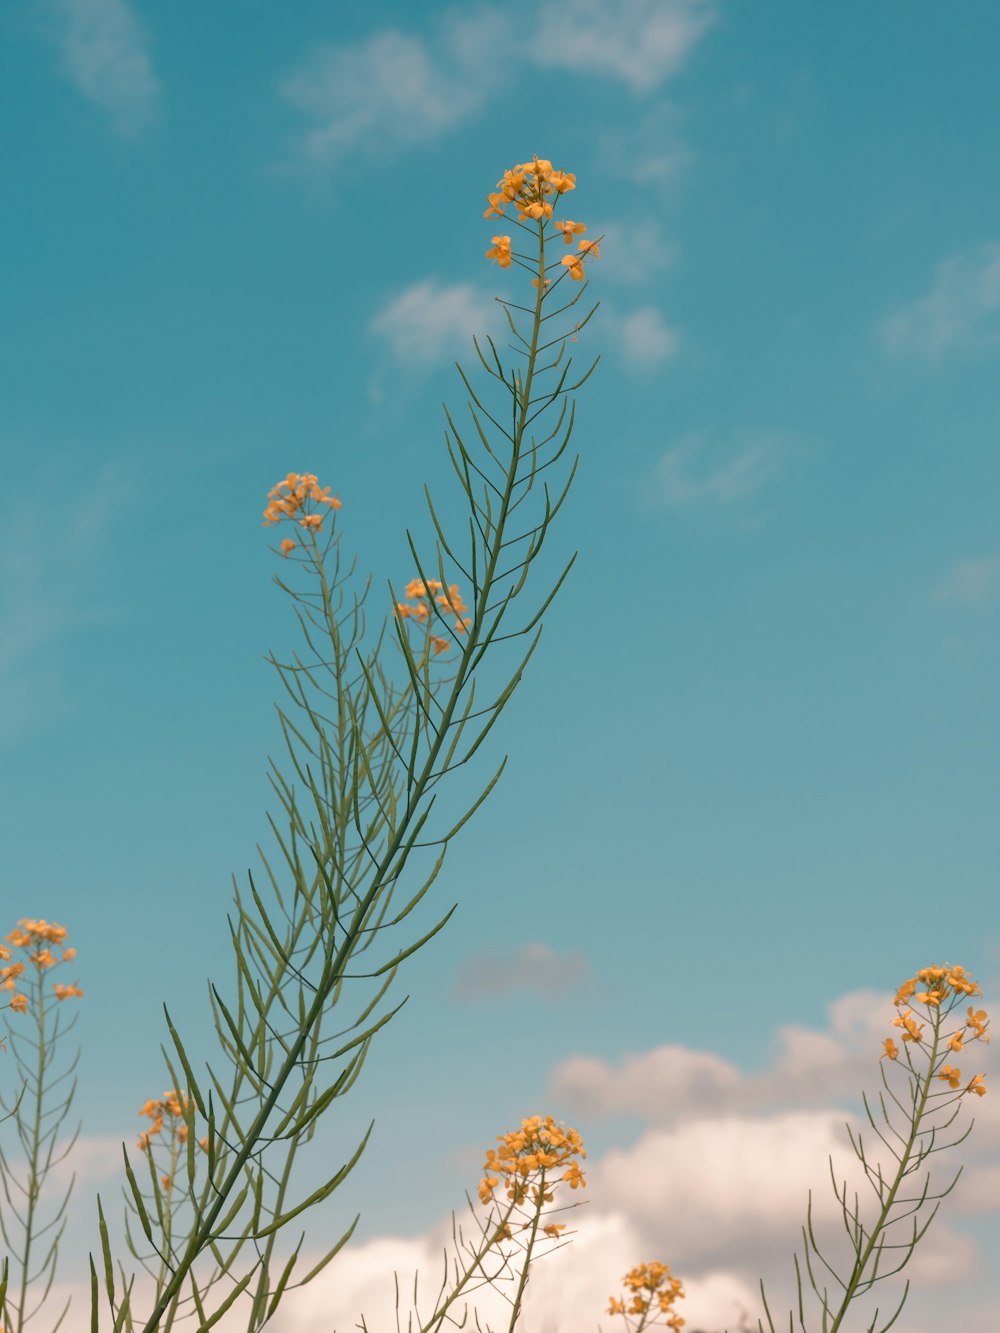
x=369, y=773
x=526, y=1157
x=368, y=777
x=37, y=942
x=910, y=1146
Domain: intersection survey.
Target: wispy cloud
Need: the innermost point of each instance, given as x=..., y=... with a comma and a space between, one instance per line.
x=46, y=593
x=533, y=967
x=640, y=42
x=970, y=582
x=397, y=88
x=104, y=53
x=429, y=320
x=634, y=252
x=962, y=308
x=694, y=472
x=643, y=339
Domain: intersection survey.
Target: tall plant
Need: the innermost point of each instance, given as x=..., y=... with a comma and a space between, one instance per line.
x=368, y=778
x=369, y=774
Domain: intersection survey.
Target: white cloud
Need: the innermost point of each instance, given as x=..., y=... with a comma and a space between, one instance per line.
x=643, y=339
x=716, y=1186
x=532, y=967
x=961, y=308
x=971, y=582
x=670, y=1081
x=632, y=252
x=397, y=88
x=693, y=473
x=641, y=42
x=718, y=1189
x=428, y=320
x=104, y=53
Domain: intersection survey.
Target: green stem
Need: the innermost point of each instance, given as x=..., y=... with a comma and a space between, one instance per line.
x=204, y=1233
x=36, y=1135
x=861, y=1261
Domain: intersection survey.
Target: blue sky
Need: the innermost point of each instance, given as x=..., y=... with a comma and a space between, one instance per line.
x=753, y=764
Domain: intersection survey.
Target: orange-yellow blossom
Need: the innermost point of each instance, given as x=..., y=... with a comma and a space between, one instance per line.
x=534, y=1146
x=570, y=229
x=535, y=209
x=36, y=936
x=950, y=1075
x=939, y=983
x=450, y=600
x=528, y=186
x=978, y=1022
x=913, y=1031
x=36, y=932
x=500, y=251
x=289, y=496
x=173, y=1103
x=650, y=1277
x=10, y=973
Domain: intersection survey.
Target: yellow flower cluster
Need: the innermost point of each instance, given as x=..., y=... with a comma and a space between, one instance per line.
x=8, y=981
x=288, y=497
x=535, y=1146
x=450, y=601
x=529, y=186
x=939, y=982
x=172, y=1104
x=651, y=1277
x=37, y=936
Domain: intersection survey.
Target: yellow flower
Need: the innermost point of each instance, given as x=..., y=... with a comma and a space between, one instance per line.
x=570, y=229
x=498, y=202
x=299, y=487
x=524, y=1151
x=450, y=600
x=907, y=1021
x=64, y=992
x=534, y=208
x=978, y=1021
x=905, y=991
x=500, y=251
